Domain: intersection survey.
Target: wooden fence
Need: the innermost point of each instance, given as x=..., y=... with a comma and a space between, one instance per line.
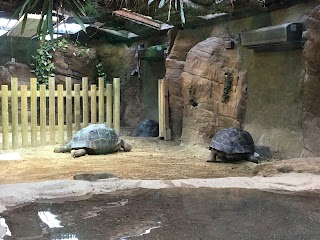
x=37, y=117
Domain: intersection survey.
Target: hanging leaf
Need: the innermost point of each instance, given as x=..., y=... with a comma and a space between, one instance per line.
x=49, y=17
x=161, y=3
x=46, y=23
x=169, y=11
x=182, y=17
x=23, y=9
x=150, y=1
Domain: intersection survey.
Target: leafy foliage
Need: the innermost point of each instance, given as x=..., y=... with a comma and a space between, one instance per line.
x=227, y=87
x=47, y=7
x=44, y=66
x=100, y=70
x=177, y=5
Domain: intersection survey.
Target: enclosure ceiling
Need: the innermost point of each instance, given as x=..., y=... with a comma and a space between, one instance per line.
x=30, y=28
x=33, y=20
x=142, y=19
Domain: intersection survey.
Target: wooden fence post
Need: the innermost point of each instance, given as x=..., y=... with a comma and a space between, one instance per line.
x=164, y=128
x=160, y=107
x=116, y=104
x=85, y=105
x=109, y=105
x=33, y=102
x=76, y=107
x=93, y=95
x=52, y=110
x=43, y=115
x=14, y=112
x=60, y=114
x=5, y=116
x=69, y=108
x=24, y=115
x=101, y=100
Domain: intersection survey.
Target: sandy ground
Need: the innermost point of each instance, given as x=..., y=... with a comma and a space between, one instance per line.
x=150, y=158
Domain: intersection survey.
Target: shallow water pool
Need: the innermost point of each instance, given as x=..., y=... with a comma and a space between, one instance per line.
x=175, y=213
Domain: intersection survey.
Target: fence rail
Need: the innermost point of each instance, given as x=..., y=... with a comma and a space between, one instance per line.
x=39, y=116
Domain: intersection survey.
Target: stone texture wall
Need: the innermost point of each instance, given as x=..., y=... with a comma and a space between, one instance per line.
x=18, y=70
x=275, y=89
x=180, y=44
x=75, y=62
x=118, y=62
x=271, y=94
x=203, y=81
x=311, y=114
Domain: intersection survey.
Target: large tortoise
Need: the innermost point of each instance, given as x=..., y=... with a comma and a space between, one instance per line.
x=232, y=144
x=94, y=139
x=147, y=128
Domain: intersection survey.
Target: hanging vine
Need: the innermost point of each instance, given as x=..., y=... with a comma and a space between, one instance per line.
x=228, y=79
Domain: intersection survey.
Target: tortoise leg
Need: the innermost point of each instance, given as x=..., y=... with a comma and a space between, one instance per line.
x=252, y=158
x=213, y=156
x=61, y=149
x=78, y=152
x=126, y=146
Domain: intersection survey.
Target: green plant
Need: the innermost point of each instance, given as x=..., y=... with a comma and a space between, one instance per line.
x=43, y=66
x=177, y=5
x=45, y=25
x=101, y=73
x=228, y=79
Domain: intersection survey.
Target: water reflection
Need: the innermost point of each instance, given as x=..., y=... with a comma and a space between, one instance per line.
x=64, y=236
x=4, y=229
x=146, y=231
x=49, y=219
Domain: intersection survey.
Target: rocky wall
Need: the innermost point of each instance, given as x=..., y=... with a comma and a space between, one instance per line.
x=75, y=62
x=180, y=44
x=311, y=114
x=208, y=66
x=269, y=94
x=118, y=61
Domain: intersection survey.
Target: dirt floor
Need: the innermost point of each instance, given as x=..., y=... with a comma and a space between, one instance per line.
x=150, y=158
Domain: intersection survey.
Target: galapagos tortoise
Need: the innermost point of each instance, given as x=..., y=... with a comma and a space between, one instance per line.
x=232, y=144
x=94, y=139
x=147, y=128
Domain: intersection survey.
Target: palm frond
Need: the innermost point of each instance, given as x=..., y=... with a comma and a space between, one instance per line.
x=47, y=7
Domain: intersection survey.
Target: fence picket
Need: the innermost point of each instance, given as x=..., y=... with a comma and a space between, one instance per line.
x=68, y=108
x=116, y=104
x=93, y=99
x=52, y=110
x=85, y=104
x=60, y=114
x=101, y=100
x=76, y=108
x=24, y=115
x=5, y=116
x=43, y=115
x=34, y=115
x=109, y=105
x=14, y=112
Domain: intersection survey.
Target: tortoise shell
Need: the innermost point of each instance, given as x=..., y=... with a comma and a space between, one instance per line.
x=233, y=141
x=97, y=138
x=147, y=128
